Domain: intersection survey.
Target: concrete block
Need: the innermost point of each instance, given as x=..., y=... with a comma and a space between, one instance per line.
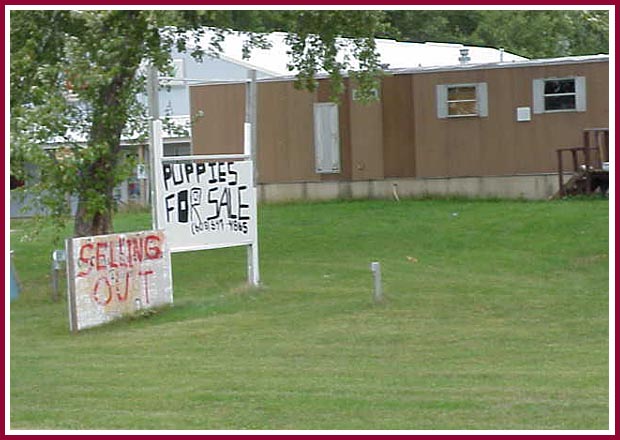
x=525, y=186
x=322, y=190
x=282, y=192
x=360, y=190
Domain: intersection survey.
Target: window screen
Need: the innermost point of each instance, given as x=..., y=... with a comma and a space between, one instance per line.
x=462, y=101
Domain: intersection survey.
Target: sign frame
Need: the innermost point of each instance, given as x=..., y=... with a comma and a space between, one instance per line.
x=157, y=162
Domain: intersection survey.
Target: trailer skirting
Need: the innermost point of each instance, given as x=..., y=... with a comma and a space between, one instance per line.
x=531, y=187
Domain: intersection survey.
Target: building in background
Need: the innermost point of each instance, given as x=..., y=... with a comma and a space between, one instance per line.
x=268, y=64
x=469, y=128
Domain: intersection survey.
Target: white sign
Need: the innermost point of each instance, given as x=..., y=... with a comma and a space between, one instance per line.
x=206, y=202
x=110, y=276
x=206, y=205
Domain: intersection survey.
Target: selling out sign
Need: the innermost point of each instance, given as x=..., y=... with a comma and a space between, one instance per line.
x=111, y=276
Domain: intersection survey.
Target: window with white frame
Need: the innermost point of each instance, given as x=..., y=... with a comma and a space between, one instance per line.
x=462, y=100
x=559, y=94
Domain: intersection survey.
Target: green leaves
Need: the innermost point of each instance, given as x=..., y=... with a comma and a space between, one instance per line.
x=530, y=33
x=317, y=41
x=76, y=75
x=73, y=87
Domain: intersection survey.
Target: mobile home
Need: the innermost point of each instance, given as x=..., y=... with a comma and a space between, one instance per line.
x=472, y=129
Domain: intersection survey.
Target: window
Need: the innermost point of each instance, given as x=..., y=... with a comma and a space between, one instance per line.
x=374, y=93
x=462, y=100
x=326, y=138
x=181, y=149
x=559, y=95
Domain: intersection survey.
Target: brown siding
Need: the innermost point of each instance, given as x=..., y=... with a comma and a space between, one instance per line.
x=220, y=130
x=366, y=127
x=285, y=133
x=402, y=136
x=398, y=124
x=498, y=144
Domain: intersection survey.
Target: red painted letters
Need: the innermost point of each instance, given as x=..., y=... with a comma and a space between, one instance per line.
x=116, y=264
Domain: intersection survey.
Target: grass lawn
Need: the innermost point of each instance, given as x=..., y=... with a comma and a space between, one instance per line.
x=496, y=317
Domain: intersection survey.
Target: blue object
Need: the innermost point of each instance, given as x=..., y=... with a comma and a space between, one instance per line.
x=14, y=283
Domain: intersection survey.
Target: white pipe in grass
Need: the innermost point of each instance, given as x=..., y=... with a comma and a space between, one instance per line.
x=375, y=267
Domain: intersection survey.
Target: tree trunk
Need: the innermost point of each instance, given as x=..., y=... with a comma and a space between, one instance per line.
x=87, y=225
x=100, y=177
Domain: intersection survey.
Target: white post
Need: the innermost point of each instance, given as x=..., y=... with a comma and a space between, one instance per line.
x=152, y=93
x=249, y=148
x=70, y=267
x=250, y=118
x=253, y=267
x=375, y=267
x=247, y=139
x=155, y=156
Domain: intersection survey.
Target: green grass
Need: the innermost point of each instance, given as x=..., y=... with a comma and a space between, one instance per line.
x=496, y=317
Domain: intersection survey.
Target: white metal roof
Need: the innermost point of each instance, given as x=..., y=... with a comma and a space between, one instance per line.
x=504, y=64
x=393, y=54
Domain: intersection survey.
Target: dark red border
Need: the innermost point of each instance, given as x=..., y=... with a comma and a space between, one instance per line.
x=337, y=4
x=394, y=4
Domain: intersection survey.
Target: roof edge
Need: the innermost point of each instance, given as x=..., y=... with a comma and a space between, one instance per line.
x=454, y=68
x=506, y=64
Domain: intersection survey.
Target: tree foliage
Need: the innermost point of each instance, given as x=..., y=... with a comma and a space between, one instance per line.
x=76, y=75
x=529, y=33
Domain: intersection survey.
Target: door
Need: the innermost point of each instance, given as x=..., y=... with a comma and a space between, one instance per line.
x=326, y=138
